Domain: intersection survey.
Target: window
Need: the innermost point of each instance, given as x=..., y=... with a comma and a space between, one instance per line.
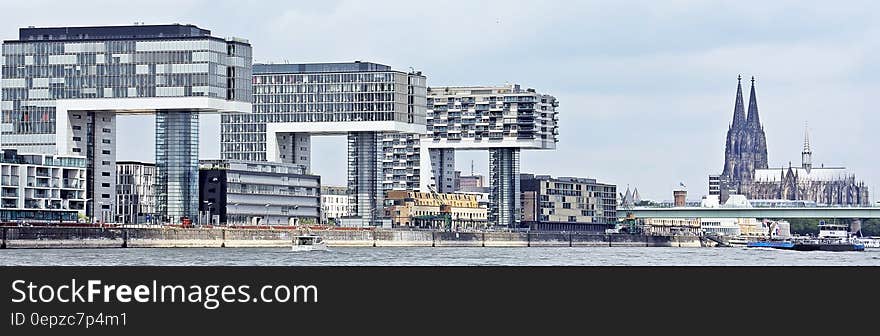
x=105, y=195
x=77, y=116
x=105, y=174
x=106, y=141
x=105, y=130
x=105, y=185
x=106, y=163
x=77, y=139
x=107, y=152
x=77, y=128
x=77, y=150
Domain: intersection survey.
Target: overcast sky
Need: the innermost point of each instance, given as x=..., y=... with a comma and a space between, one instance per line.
x=646, y=88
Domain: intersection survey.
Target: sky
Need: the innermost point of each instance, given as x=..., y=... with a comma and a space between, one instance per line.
x=646, y=88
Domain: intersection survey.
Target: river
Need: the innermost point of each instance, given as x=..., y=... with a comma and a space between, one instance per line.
x=586, y=256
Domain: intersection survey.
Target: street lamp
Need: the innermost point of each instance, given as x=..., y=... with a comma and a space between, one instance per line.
x=267, y=213
x=208, y=213
x=295, y=218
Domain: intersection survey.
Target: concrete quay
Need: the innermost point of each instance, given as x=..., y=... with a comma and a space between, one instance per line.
x=56, y=237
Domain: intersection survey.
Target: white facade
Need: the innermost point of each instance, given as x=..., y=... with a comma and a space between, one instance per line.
x=41, y=187
x=335, y=206
x=135, y=192
x=729, y=227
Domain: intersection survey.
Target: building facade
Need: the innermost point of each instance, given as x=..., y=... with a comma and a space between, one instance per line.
x=43, y=188
x=567, y=203
x=672, y=226
x=435, y=211
x=63, y=87
x=470, y=183
x=746, y=171
x=135, y=192
x=234, y=192
x=369, y=103
x=500, y=119
x=334, y=204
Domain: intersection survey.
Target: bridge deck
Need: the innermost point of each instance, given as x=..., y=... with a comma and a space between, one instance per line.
x=769, y=213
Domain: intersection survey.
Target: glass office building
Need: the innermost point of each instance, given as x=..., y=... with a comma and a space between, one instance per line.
x=62, y=88
x=370, y=103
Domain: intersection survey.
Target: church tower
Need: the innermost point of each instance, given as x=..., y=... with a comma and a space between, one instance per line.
x=756, y=132
x=746, y=148
x=807, y=154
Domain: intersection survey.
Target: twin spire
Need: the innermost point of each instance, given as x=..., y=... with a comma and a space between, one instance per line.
x=739, y=115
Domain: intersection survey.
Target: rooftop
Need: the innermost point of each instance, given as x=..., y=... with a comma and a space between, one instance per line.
x=356, y=66
x=111, y=32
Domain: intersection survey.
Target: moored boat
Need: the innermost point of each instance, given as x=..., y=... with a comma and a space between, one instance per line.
x=832, y=238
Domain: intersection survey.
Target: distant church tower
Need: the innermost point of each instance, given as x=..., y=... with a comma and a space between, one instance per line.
x=807, y=154
x=746, y=148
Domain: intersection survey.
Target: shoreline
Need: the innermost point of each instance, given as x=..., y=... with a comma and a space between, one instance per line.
x=98, y=238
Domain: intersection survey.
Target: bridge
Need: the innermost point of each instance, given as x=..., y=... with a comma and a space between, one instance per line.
x=760, y=213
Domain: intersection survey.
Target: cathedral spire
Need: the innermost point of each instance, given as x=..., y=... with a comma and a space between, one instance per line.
x=807, y=154
x=754, y=120
x=739, y=112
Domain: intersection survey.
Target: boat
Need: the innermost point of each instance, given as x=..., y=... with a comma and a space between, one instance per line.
x=832, y=237
x=737, y=241
x=308, y=242
x=778, y=244
x=869, y=242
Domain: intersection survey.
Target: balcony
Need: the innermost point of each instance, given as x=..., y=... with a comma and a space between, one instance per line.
x=9, y=180
x=72, y=184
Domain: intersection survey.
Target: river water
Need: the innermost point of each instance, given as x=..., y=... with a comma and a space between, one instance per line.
x=387, y=256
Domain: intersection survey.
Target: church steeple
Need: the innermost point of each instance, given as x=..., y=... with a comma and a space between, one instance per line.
x=739, y=112
x=807, y=154
x=754, y=120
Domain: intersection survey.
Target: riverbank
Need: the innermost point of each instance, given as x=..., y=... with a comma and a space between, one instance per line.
x=81, y=238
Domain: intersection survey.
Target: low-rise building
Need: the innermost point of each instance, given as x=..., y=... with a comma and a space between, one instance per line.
x=429, y=210
x=470, y=183
x=728, y=227
x=135, y=192
x=258, y=193
x=567, y=203
x=335, y=204
x=36, y=187
x=671, y=226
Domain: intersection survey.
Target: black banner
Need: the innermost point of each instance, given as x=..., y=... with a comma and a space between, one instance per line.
x=380, y=300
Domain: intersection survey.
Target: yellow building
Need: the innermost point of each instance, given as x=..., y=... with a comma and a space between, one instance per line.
x=427, y=210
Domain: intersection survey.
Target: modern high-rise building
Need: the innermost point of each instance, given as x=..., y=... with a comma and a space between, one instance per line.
x=63, y=88
x=135, y=192
x=567, y=203
x=369, y=103
x=503, y=120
